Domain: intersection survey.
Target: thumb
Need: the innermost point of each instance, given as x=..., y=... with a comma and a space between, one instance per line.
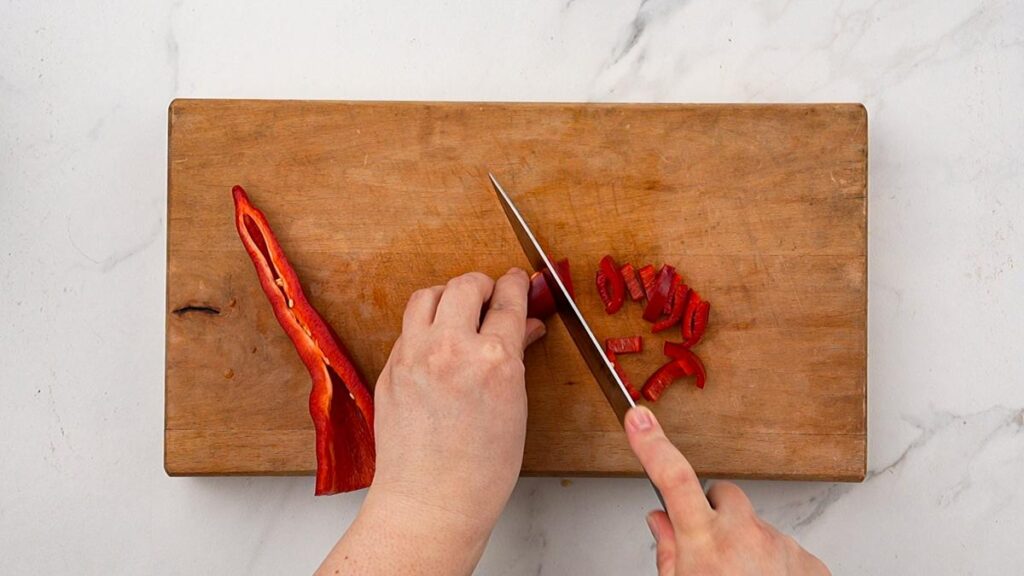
x=665, y=538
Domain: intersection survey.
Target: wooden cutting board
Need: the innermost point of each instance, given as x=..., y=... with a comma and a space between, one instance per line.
x=762, y=208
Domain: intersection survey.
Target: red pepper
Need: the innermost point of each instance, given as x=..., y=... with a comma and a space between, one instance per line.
x=339, y=402
x=610, y=286
x=539, y=301
x=680, y=353
x=562, y=267
x=695, y=322
x=647, y=278
x=636, y=291
x=656, y=297
x=662, y=378
x=633, y=392
x=626, y=345
x=678, y=304
x=676, y=280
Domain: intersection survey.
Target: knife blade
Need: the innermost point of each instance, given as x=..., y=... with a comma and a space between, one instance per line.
x=593, y=354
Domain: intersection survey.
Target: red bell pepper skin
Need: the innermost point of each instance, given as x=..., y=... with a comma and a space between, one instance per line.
x=658, y=382
x=679, y=300
x=339, y=402
x=636, y=291
x=614, y=293
x=676, y=280
x=697, y=323
x=562, y=266
x=656, y=297
x=633, y=392
x=691, y=361
x=647, y=278
x=627, y=345
x=539, y=301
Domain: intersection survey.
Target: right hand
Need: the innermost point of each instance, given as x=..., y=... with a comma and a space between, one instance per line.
x=717, y=533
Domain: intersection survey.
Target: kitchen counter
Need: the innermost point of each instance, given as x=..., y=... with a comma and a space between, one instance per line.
x=83, y=128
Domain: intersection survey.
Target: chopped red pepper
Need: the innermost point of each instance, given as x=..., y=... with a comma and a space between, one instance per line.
x=656, y=297
x=678, y=304
x=610, y=286
x=339, y=402
x=662, y=378
x=636, y=291
x=681, y=353
x=695, y=322
x=562, y=267
x=676, y=280
x=647, y=278
x=633, y=392
x=627, y=345
x=539, y=301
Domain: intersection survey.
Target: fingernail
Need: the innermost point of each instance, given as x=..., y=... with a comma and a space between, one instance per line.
x=641, y=419
x=516, y=270
x=651, y=526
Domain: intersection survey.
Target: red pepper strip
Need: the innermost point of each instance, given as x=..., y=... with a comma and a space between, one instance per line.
x=562, y=266
x=691, y=309
x=656, y=297
x=615, y=288
x=699, y=321
x=676, y=280
x=633, y=392
x=663, y=377
x=680, y=353
x=636, y=291
x=339, y=402
x=647, y=278
x=678, y=305
x=602, y=288
x=539, y=301
x=626, y=345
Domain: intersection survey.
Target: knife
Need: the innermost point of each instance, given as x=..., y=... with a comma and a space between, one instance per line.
x=593, y=354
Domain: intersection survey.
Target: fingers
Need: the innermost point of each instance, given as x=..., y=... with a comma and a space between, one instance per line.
x=422, y=306
x=535, y=330
x=506, y=316
x=685, y=501
x=728, y=498
x=665, y=538
x=462, y=300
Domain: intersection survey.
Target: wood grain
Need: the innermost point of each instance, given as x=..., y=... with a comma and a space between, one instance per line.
x=762, y=208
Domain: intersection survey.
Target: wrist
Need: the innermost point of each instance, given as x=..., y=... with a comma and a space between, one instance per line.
x=438, y=534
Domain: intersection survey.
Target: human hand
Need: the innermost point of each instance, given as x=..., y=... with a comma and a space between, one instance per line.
x=451, y=400
x=714, y=534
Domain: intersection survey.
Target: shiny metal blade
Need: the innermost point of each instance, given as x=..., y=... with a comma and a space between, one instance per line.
x=591, y=350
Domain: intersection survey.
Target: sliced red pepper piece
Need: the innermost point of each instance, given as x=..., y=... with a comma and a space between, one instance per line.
x=658, y=382
x=680, y=353
x=562, y=267
x=339, y=402
x=636, y=291
x=647, y=278
x=679, y=299
x=656, y=297
x=626, y=345
x=539, y=301
x=633, y=392
x=610, y=286
x=676, y=280
x=697, y=322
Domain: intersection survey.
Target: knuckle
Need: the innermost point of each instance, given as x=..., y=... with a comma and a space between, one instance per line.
x=674, y=473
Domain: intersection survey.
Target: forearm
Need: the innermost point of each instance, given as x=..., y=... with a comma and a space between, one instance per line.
x=395, y=535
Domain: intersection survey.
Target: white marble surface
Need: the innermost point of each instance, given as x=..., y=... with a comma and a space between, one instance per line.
x=84, y=88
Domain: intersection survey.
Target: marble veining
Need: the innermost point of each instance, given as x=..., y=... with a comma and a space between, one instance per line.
x=84, y=90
